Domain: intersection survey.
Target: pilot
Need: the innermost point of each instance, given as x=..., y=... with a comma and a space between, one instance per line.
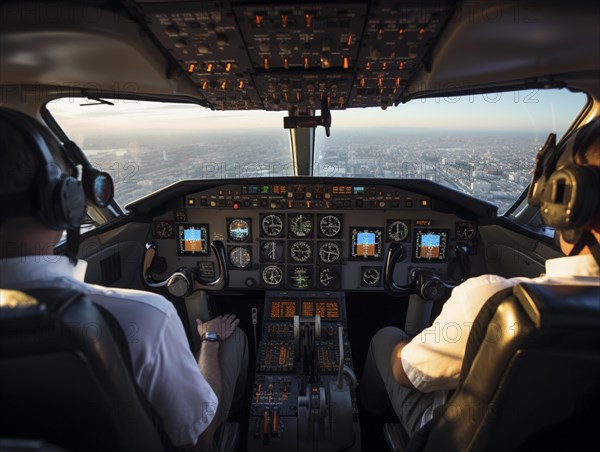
x=416, y=374
x=192, y=397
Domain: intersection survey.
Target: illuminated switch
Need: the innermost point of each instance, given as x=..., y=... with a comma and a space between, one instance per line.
x=424, y=203
x=191, y=202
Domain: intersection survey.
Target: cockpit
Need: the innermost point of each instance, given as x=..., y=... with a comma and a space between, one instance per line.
x=320, y=169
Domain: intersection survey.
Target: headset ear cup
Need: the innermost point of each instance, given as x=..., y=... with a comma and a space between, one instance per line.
x=570, y=199
x=68, y=204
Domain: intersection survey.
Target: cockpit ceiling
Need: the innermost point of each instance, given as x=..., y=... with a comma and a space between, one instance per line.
x=279, y=55
x=276, y=56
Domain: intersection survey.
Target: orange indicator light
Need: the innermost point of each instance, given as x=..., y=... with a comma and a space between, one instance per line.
x=285, y=63
x=306, y=63
x=259, y=20
x=401, y=65
x=284, y=20
x=228, y=67
x=346, y=63
x=384, y=65
x=401, y=31
x=266, y=63
x=362, y=82
x=308, y=18
x=223, y=85
x=397, y=81
x=209, y=67
x=191, y=67
x=349, y=39
x=368, y=67
x=204, y=84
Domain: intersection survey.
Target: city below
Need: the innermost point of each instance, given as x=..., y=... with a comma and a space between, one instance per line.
x=493, y=166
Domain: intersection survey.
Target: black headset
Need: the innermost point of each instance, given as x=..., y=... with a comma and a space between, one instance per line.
x=58, y=199
x=568, y=193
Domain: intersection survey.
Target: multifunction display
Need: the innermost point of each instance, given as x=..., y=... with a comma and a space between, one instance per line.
x=192, y=239
x=431, y=245
x=366, y=243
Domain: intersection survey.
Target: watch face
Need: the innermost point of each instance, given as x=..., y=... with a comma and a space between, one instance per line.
x=210, y=336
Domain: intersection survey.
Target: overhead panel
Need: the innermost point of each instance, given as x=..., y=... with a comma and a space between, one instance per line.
x=281, y=56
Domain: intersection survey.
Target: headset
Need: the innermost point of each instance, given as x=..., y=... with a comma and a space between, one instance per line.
x=568, y=193
x=58, y=200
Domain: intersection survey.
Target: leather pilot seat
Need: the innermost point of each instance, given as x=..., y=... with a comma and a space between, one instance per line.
x=63, y=378
x=530, y=379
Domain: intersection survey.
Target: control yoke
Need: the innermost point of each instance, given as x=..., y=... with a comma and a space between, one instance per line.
x=394, y=254
x=422, y=281
x=186, y=280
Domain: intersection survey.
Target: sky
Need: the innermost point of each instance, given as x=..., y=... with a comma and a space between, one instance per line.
x=536, y=111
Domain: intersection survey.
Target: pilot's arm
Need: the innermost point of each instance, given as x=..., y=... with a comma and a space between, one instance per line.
x=433, y=359
x=397, y=368
x=208, y=363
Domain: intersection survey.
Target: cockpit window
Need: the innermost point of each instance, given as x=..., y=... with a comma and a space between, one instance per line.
x=146, y=146
x=482, y=145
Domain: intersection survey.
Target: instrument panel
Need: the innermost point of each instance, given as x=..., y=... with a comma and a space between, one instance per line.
x=305, y=236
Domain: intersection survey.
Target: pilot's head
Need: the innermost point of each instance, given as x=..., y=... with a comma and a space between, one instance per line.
x=39, y=198
x=568, y=191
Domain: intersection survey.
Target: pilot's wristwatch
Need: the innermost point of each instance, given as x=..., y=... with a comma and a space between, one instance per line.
x=210, y=336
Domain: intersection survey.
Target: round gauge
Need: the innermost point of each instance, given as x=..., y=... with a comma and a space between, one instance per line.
x=330, y=226
x=465, y=231
x=371, y=276
x=301, y=225
x=163, y=230
x=272, y=225
x=239, y=257
x=300, y=251
x=271, y=251
x=433, y=289
x=272, y=275
x=239, y=230
x=329, y=278
x=329, y=252
x=397, y=231
x=300, y=277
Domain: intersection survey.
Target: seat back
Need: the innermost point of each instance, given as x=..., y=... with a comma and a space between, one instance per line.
x=531, y=375
x=62, y=376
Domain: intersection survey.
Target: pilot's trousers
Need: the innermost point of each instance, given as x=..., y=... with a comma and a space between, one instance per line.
x=233, y=359
x=378, y=386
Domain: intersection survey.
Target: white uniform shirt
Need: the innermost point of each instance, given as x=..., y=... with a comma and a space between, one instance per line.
x=433, y=359
x=163, y=365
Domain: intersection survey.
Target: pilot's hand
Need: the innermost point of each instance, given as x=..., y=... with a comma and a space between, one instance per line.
x=223, y=325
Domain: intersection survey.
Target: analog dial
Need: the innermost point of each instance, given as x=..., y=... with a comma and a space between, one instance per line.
x=329, y=252
x=371, y=276
x=465, y=231
x=272, y=225
x=300, y=251
x=239, y=230
x=240, y=257
x=329, y=278
x=163, y=230
x=330, y=226
x=272, y=275
x=300, y=277
x=272, y=251
x=397, y=231
x=301, y=225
